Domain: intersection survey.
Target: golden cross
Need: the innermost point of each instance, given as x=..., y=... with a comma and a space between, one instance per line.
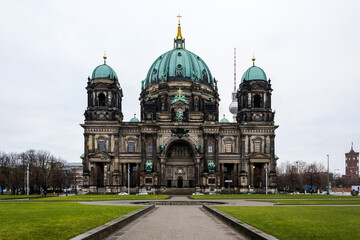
x=179, y=92
x=179, y=16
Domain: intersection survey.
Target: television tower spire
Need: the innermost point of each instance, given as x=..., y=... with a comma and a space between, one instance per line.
x=233, y=108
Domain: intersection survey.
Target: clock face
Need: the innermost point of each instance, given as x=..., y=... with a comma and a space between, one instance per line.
x=257, y=117
x=101, y=116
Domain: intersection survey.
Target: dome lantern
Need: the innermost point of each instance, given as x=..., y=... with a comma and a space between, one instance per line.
x=179, y=41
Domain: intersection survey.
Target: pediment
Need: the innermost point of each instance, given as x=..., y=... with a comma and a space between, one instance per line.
x=259, y=156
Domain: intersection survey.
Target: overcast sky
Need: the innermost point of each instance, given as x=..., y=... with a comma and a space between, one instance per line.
x=309, y=49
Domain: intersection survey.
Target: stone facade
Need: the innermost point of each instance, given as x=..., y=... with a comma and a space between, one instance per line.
x=179, y=141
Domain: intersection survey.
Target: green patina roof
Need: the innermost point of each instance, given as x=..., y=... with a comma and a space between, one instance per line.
x=253, y=73
x=134, y=119
x=224, y=120
x=170, y=64
x=104, y=71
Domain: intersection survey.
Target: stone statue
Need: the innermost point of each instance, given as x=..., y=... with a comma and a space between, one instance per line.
x=148, y=167
x=180, y=115
x=162, y=148
x=198, y=147
x=211, y=166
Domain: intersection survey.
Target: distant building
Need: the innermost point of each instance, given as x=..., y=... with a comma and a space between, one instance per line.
x=76, y=170
x=352, y=164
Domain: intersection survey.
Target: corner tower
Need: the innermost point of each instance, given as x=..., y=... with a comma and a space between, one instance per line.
x=256, y=120
x=102, y=118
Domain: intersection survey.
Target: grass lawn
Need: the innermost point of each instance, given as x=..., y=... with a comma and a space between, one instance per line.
x=270, y=196
x=54, y=220
x=301, y=222
x=95, y=197
x=315, y=201
x=17, y=196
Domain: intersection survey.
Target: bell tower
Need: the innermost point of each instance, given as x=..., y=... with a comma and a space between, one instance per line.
x=256, y=120
x=102, y=117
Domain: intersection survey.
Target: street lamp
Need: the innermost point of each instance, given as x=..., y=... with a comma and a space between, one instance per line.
x=266, y=178
x=328, y=174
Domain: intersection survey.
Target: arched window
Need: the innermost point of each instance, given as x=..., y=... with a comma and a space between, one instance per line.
x=257, y=101
x=101, y=99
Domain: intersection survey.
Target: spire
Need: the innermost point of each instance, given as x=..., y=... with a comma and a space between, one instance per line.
x=179, y=41
x=104, y=57
x=352, y=146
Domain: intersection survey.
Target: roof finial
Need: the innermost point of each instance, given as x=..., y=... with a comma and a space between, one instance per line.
x=352, y=144
x=253, y=59
x=223, y=115
x=104, y=57
x=134, y=114
x=179, y=16
x=179, y=41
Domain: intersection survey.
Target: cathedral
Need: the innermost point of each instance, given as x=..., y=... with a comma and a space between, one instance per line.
x=179, y=141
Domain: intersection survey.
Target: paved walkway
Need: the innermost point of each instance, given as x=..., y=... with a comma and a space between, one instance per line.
x=228, y=202
x=176, y=222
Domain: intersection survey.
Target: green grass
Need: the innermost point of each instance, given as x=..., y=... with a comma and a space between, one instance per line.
x=54, y=220
x=17, y=196
x=315, y=201
x=301, y=222
x=95, y=197
x=270, y=196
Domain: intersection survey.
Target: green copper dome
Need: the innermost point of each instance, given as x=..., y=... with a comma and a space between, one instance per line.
x=253, y=73
x=178, y=64
x=104, y=71
x=224, y=120
x=134, y=119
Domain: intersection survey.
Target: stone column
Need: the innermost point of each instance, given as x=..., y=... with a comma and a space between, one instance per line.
x=120, y=174
x=124, y=174
x=197, y=172
x=222, y=175
x=143, y=152
x=205, y=152
x=236, y=182
x=162, y=172
x=216, y=152
x=137, y=174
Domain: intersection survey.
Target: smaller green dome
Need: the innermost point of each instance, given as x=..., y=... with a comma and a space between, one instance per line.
x=224, y=120
x=104, y=71
x=253, y=73
x=134, y=119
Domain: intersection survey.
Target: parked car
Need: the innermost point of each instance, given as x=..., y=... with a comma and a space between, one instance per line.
x=122, y=193
x=197, y=193
x=213, y=193
x=142, y=193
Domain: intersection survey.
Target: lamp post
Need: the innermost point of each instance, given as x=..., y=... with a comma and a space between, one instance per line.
x=27, y=179
x=266, y=178
x=297, y=167
x=128, y=178
x=328, y=174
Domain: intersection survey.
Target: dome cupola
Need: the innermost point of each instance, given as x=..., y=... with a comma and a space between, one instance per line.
x=104, y=71
x=134, y=119
x=224, y=120
x=179, y=64
x=253, y=73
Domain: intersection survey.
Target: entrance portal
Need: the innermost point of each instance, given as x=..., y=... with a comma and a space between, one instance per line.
x=180, y=182
x=180, y=169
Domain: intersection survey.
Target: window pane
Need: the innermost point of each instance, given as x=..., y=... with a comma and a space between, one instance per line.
x=257, y=146
x=149, y=148
x=228, y=147
x=101, y=146
x=210, y=149
x=131, y=147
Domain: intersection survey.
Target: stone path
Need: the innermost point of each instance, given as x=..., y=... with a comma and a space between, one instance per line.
x=176, y=222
